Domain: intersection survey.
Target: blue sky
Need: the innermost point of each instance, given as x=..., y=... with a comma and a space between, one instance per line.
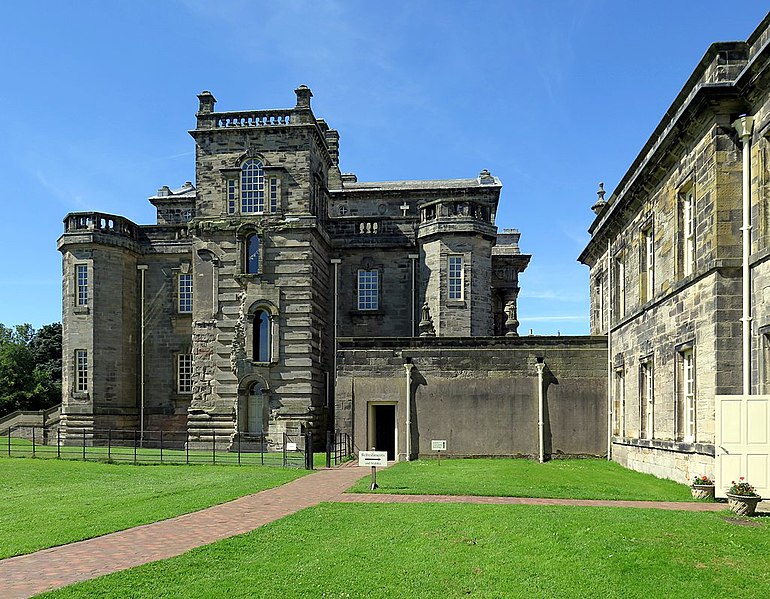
x=550, y=96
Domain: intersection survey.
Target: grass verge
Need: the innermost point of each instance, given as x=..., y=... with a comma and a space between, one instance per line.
x=576, y=479
x=455, y=550
x=51, y=502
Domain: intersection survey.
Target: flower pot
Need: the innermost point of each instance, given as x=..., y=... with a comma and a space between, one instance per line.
x=743, y=505
x=702, y=491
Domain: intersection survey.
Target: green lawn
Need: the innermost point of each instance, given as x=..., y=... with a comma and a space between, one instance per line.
x=51, y=502
x=577, y=479
x=455, y=550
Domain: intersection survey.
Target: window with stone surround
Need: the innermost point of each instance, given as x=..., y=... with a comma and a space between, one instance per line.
x=252, y=187
x=184, y=368
x=455, y=268
x=686, y=222
x=261, y=337
x=685, y=396
x=81, y=284
x=184, y=293
x=619, y=403
x=251, y=254
x=599, y=303
x=619, y=286
x=646, y=399
x=81, y=371
x=231, y=191
x=647, y=265
x=368, y=289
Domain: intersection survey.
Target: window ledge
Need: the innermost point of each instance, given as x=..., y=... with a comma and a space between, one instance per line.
x=455, y=304
x=80, y=395
x=377, y=312
x=666, y=445
x=81, y=310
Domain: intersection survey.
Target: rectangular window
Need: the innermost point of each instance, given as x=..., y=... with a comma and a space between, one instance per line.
x=184, y=373
x=368, y=289
x=455, y=284
x=599, y=292
x=619, y=404
x=274, y=195
x=81, y=371
x=647, y=266
x=620, y=286
x=687, y=233
x=232, y=195
x=685, y=404
x=185, y=303
x=646, y=400
x=81, y=280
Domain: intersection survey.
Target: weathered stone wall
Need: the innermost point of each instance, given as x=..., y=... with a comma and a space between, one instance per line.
x=480, y=394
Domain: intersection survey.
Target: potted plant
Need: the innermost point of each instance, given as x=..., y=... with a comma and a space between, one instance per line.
x=702, y=487
x=743, y=498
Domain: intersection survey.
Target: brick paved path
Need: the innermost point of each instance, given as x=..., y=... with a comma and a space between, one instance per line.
x=660, y=505
x=28, y=575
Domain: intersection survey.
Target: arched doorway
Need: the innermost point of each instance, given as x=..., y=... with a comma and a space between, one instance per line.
x=255, y=409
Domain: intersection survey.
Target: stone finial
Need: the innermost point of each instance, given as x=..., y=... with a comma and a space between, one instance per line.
x=426, y=322
x=601, y=202
x=303, y=97
x=511, y=322
x=486, y=178
x=206, y=102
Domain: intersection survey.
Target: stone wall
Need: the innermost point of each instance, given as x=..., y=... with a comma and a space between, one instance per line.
x=479, y=394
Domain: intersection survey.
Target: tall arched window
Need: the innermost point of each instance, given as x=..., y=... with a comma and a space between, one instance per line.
x=252, y=187
x=255, y=409
x=251, y=262
x=261, y=336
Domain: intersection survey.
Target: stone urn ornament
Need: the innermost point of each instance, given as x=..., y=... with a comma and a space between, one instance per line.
x=743, y=498
x=702, y=487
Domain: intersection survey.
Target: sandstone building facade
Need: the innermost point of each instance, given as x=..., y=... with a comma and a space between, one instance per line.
x=222, y=318
x=680, y=277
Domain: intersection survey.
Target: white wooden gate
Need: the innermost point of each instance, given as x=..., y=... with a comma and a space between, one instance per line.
x=742, y=442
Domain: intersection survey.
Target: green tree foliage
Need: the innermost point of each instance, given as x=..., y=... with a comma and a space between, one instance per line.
x=30, y=367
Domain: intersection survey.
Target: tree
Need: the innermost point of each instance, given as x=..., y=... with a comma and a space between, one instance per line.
x=30, y=367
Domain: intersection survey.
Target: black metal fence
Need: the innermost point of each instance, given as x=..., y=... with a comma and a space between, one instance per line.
x=339, y=448
x=167, y=447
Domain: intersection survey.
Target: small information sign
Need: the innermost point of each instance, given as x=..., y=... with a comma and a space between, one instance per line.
x=291, y=446
x=373, y=458
x=438, y=444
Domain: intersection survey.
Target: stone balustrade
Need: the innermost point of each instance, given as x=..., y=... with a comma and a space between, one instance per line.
x=252, y=118
x=97, y=221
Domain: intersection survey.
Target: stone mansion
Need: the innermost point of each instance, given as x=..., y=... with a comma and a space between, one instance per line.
x=279, y=295
x=224, y=315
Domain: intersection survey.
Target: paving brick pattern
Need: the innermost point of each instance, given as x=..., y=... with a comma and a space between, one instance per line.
x=48, y=569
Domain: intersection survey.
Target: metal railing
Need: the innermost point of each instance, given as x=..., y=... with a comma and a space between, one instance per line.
x=339, y=448
x=160, y=447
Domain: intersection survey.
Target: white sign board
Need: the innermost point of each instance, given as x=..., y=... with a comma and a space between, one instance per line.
x=438, y=444
x=373, y=458
x=291, y=446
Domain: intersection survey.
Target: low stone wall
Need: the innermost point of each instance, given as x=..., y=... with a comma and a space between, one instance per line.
x=479, y=394
x=674, y=462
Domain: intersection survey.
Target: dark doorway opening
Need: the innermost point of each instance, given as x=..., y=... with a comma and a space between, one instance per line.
x=385, y=429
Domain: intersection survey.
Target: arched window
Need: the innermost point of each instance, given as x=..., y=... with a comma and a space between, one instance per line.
x=261, y=336
x=255, y=409
x=251, y=262
x=252, y=187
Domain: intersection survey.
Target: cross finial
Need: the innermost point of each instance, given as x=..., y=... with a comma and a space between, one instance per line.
x=404, y=208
